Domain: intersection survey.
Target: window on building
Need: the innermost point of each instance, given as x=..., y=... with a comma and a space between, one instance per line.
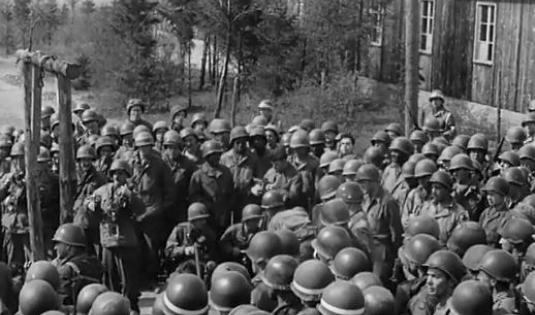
x=485, y=32
x=377, y=13
x=427, y=19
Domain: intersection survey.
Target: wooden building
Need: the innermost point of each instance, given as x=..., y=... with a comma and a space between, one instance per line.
x=481, y=51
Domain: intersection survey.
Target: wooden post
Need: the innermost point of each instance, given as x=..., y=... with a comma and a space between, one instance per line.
x=67, y=179
x=234, y=102
x=411, y=64
x=32, y=113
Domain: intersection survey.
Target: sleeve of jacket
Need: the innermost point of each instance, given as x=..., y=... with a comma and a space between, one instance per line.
x=168, y=186
x=195, y=187
x=173, y=246
x=396, y=230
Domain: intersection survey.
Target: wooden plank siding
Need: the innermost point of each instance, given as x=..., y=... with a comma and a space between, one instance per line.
x=525, y=87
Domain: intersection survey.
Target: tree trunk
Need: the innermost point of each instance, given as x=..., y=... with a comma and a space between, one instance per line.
x=189, y=75
x=411, y=64
x=214, y=61
x=223, y=78
x=235, y=100
x=205, y=50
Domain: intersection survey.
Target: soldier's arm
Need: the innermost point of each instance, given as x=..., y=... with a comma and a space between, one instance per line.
x=173, y=246
x=225, y=243
x=195, y=188
x=168, y=186
x=396, y=230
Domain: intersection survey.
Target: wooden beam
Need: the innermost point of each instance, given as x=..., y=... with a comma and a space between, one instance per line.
x=412, y=30
x=32, y=111
x=50, y=64
x=67, y=179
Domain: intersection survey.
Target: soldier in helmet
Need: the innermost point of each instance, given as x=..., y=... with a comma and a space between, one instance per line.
x=437, y=110
x=192, y=244
x=405, y=183
x=277, y=277
x=418, y=139
x=346, y=147
x=317, y=142
x=88, y=180
x=529, y=125
x=178, y=117
x=229, y=290
x=199, y=123
x=515, y=136
x=212, y=184
x=384, y=218
x=258, y=146
x=472, y=297
x=497, y=190
x=135, y=109
x=158, y=131
x=126, y=148
x=272, y=133
x=306, y=166
x=76, y=269
x=400, y=151
x=444, y=271
x=310, y=278
x=330, y=130
x=185, y=294
x=37, y=297
x=182, y=170
x=219, y=129
x=465, y=235
x=516, y=235
x=282, y=176
x=265, y=109
x=379, y=301
x=465, y=191
x=90, y=125
x=418, y=196
x=498, y=270
x=477, y=149
x=5, y=150
x=518, y=185
x=326, y=189
x=192, y=145
x=442, y=206
x=341, y=297
x=119, y=209
x=394, y=130
x=105, y=150
x=236, y=238
x=112, y=303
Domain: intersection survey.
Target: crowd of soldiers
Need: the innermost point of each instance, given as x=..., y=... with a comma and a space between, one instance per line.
x=256, y=220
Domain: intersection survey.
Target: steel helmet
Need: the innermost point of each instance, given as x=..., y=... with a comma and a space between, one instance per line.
x=17, y=149
x=316, y=137
x=442, y=178
x=472, y=256
x=177, y=109
x=528, y=287
x=497, y=185
x=120, y=165
x=464, y=235
x=517, y=230
x=186, y=132
x=341, y=298
x=160, y=125
x=197, y=211
x=366, y=279
x=441, y=143
x=416, y=157
x=379, y=301
x=70, y=234
x=471, y=297
x=431, y=124
x=350, y=167
x=171, y=138
x=448, y=153
x=330, y=240
x=327, y=157
x=263, y=246
x=368, y=172
x=44, y=155
x=230, y=266
x=110, y=131
x=89, y=115
x=299, y=140
x=403, y=145
x=430, y=150
x=47, y=111
x=528, y=118
x=516, y=135
x=374, y=155
x=198, y=118
x=110, y=303
x=334, y=212
x=307, y=124
x=135, y=102
x=143, y=139
x=272, y=199
x=272, y=128
x=295, y=128
x=407, y=170
x=425, y=167
x=329, y=125
x=515, y=175
x=266, y=104
x=350, y=261
x=219, y=125
x=257, y=131
x=251, y=212
x=87, y=296
x=510, y=157
x=529, y=257
x=81, y=107
x=290, y=242
x=527, y=151
x=461, y=141
x=461, y=161
x=238, y=132
x=211, y=147
x=447, y=262
x=336, y=166
x=420, y=247
x=54, y=121
x=104, y=141
x=37, y=297
x=229, y=290
x=350, y=193
x=436, y=94
x=127, y=128
x=279, y=272
x=311, y=277
x=423, y=224
x=43, y=270
x=380, y=136
x=85, y=152
x=247, y=309
x=418, y=136
x=395, y=128
x=185, y=294
x=259, y=120
x=499, y=264
x=478, y=142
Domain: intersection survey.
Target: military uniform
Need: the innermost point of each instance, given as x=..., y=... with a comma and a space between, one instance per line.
x=414, y=203
x=406, y=290
x=141, y=122
x=49, y=201
x=491, y=220
x=470, y=198
x=290, y=182
x=400, y=191
x=448, y=217
x=261, y=297
x=391, y=177
x=234, y=241
x=504, y=303
x=304, y=185
x=124, y=153
x=422, y=303
x=103, y=164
